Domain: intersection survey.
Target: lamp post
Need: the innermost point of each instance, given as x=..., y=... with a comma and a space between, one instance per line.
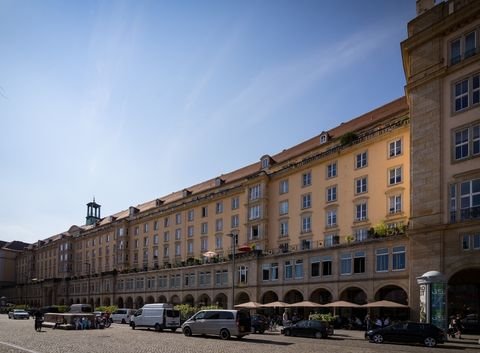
x=234, y=238
x=88, y=282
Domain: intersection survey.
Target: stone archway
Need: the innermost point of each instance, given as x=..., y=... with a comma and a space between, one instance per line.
x=189, y=300
x=120, y=302
x=129, y=303
x=464, y=294
x=106, y=301
x=392, y=293
x=355, y=295
x=204, y=300
x=242, y=297
x=269, y=296
x=321, y=295
x=138, y=302
x=175, y=299
x=162, y=299
x=221, y=300
x=150, y=300
x=293, y=296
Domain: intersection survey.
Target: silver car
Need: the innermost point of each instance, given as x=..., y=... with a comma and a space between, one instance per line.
x=18, y=314
x=223, y=323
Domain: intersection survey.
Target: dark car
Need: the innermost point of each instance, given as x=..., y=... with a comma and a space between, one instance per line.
x=471, y=324
x=309, y=328
x=259, y=323
x=408, y=332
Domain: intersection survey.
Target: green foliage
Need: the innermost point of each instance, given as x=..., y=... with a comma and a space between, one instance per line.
x=322, y=317
x=380, y=229
x=186, y=310
x=348, y=138
x=109, y=309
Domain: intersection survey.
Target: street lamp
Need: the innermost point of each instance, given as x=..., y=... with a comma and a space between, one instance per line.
x=234, y=238
x=88, y=282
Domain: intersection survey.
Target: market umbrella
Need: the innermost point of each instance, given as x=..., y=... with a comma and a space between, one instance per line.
x=245, y=248
x=210, y=254
x=277, y=304
x=306, y=304
x=384, y=304
x=341, y=304
x=249, y=305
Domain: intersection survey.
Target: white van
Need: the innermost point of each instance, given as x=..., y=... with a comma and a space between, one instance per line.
x=122, y=316
x=224, y=323
x=158, y=316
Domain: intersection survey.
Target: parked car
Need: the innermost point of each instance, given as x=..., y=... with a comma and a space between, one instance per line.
x=309, y=328
x=471, y=324
x=224, y=323
x=122, y=316
x=18, y=314
x=408, y=332
x=259, y=323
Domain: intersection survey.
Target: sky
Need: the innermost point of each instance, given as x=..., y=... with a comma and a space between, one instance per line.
x=128, y=101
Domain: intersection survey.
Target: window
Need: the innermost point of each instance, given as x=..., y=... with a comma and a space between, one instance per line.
x=332, y=193
x=218, y=242
x=136, y=231
x=235, y=203
x=467, y=142
x=178, y=218
x=145, y=227
x=315, y=266
x=204, y=228
x=166, y=222
x=219, y=207
x=284, y=228
x=395, y=148
x=178, y=249
x=178, y=234
x=361, y=185
x=288, y=270
x=266, y=272
x=346, y=264
x=204, y=211
x=361, y=160
x=254, y=232
x=398, y=258
x=361, y=211
x=155, y=226
x=190, y=246
x=166, y=236
x=298, y=268
x=145, y=242
x=331, y=218
x=165, y=251
x=284, y=186
x=381, y=260
x=283, y=208
x=204, y=244
x=265, y=162
x=327, y=266
x=466, y=93
x=306, y=201
x=235, y=221
x=476, y=241
x=361, y=234
x=306, y=224
x=395, y=176
x=455, y=52
x=254, y=192
x=254, y=212
x=469, y=203
x=332, y=170
x=270, y=272
x=395, y=204
x=243, y=274
x=274, y=271
x=219, y=225
x=331, y=240
x=470, y=44
x=359, y=262
x=306, y=179
x=190, y=215
x=190, y=231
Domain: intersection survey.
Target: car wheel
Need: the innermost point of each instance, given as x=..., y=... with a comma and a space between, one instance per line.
x=240, y=337
x=318, y=334
x=157, y=327
x=133, y=325
x=224, y=334
x=288, y=333
x=377, y=338
x=174, y=329
x=261, y=331
x=430, y=342
x=187, y=331
x=123, y=321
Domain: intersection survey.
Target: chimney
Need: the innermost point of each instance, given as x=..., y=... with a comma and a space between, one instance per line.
x=424, y=6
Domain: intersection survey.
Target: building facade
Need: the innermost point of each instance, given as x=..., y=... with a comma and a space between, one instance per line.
x=357, y=213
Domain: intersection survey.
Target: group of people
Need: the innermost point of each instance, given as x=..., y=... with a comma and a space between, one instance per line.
x=376, y=322
x=455, y=327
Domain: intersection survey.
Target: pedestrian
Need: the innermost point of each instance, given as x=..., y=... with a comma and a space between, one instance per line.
x=368, y=323
x=459, y=326
x=285, y=318
x=378, y=323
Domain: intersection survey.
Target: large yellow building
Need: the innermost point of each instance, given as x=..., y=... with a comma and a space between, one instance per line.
x=372, y=209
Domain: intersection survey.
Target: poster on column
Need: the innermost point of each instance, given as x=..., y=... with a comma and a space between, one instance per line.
x=437, y=301
x=423, y=303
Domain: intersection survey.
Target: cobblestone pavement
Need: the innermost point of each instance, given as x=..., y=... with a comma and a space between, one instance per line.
x=19, y=336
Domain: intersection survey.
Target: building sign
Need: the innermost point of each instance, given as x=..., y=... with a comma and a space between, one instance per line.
x=437, y=302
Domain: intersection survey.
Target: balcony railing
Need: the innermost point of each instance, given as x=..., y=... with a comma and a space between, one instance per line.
x=465, y=214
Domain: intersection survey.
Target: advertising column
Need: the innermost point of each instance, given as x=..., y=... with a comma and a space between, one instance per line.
x=433, y=298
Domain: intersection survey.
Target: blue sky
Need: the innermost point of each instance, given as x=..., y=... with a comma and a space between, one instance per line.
x=128, y=101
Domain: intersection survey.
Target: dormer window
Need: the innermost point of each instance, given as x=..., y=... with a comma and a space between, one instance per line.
x=219, y=181
x=266, y=161
x=323, y=138
x=186, y=192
